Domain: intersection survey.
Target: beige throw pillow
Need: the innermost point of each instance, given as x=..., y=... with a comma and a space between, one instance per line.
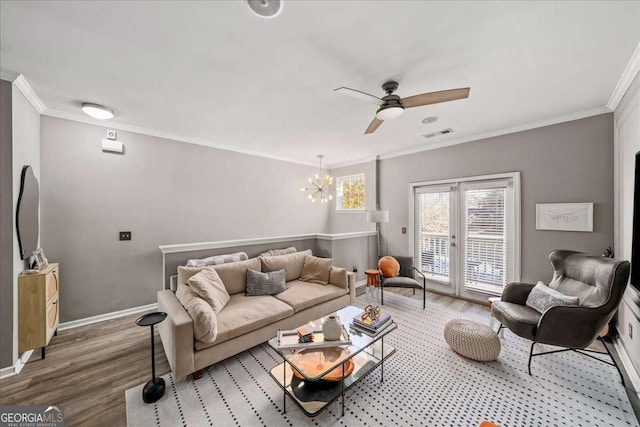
x=293, y=263
x=234, y=274
x=338, y=276
x=316, y=270
x=205, y=323
x=208, y=285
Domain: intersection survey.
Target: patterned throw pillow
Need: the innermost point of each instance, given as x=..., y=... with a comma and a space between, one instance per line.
x=217, y=259
x=542, y=297
x=270, y=283
x=277, y=252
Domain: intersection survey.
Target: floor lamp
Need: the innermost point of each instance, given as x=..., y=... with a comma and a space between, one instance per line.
x=378, y=217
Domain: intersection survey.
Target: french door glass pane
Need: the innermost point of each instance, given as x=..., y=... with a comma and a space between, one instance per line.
x=485, y=234
x=433, y=233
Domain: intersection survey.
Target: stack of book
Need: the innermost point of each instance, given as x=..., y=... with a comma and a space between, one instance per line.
x=369, y=326
x=304, y=335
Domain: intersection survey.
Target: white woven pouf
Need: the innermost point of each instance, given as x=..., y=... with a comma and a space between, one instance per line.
x=472, y=340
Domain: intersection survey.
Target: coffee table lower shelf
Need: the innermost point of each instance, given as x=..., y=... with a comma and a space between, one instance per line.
x=313, y=397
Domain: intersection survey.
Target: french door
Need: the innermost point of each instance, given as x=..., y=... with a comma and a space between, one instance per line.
x=466, y=234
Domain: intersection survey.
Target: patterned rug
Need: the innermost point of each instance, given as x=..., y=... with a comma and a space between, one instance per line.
x=425, y=384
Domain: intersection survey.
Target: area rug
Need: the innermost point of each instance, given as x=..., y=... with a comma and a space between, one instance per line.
x=425, y=384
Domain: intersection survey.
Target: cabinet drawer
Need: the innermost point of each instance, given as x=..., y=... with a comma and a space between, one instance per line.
x=52, y=284
x=52, y=316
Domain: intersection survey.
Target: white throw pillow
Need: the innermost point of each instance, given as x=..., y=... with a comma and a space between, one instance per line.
x=542, y=297
x=205, y=323
x=208, y=285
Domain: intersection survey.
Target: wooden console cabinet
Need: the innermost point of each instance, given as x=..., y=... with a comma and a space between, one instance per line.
x=38, y=308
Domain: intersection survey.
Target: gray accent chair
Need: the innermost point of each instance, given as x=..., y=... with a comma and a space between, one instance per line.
x=406, y=279
x=599, y=283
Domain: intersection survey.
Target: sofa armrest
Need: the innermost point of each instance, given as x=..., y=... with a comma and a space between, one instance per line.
x=351, y=277
x=176, y=333
x=517, y=292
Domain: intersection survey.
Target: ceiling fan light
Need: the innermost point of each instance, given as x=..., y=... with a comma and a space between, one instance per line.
x=389, y=113
x=97, y=111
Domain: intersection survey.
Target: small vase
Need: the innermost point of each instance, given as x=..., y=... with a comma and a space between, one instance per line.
x=332, y=328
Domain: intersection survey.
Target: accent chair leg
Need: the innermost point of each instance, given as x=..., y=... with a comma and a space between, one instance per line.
x=530, y=357
x=414, y=291
x=424, y=297
x=197, y=374
x=612, y=359
x=381, y=294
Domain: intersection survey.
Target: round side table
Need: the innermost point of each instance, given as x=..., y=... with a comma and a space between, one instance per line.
x=154, y=389
x=373, y=283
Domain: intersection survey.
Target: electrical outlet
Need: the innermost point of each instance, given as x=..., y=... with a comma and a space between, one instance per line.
x=125, y=235
x=355, y=269
x=404, y=230
x=630, y=331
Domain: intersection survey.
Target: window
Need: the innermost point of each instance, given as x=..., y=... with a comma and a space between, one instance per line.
x=350, y=193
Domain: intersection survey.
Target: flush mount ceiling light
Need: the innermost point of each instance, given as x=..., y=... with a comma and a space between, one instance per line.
x=265, y=8
x=320, y=188
x=97, y=111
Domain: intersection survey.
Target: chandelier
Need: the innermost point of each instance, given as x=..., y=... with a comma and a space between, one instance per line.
x=320, y=189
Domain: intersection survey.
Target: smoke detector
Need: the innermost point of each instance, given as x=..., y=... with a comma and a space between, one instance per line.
x=265, y=8
x=429, y=120
x=440, y=132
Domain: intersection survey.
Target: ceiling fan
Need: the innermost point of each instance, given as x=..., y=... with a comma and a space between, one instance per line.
x=392, y=106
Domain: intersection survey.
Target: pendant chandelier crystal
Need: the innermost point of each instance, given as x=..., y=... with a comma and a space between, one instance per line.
x=320, y=189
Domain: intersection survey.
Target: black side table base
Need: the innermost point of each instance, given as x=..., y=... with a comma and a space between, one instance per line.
x=153, y=390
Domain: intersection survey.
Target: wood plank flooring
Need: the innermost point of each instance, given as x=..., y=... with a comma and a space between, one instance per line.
x=88, y=369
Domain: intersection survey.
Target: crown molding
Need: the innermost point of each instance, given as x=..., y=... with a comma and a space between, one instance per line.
x=8, y=75
x=23, y=86
x=359, y=161
x=505, y=131
x=77, y=117
x=630, y=72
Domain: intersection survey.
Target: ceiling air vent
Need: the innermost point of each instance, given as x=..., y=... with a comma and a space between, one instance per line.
x=440, y=132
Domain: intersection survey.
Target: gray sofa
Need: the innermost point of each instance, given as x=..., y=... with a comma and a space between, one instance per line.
x=247, y=321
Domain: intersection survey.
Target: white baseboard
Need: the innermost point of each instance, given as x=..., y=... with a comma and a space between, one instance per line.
x=628, y=366
x=107, y=316
x=10, y=371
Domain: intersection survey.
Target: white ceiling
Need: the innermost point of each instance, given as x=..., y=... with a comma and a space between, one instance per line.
x=214, y=73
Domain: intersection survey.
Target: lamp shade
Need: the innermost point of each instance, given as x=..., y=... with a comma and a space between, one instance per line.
x=377, y=216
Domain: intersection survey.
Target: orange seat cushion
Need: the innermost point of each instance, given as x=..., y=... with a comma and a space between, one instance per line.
x=389, y=266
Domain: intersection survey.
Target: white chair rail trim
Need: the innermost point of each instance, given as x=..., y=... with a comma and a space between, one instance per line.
x=188, y=247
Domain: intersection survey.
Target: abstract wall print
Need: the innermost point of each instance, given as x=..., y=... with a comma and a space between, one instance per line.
x=564, y=216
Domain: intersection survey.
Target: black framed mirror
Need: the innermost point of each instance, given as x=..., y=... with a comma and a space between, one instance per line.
x=27, y=213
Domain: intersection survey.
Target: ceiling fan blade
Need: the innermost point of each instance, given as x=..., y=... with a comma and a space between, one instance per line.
x=359, y=95
x=375, y=124
x=435, y=97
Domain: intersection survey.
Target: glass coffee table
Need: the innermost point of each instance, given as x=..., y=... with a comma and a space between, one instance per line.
x=310, y=377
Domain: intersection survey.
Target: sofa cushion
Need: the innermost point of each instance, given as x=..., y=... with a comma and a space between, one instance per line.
x=208, y=285
x=205, y=325
x=301, y=295
x=293, y=263
x=316, y=270
x=338, y=276
x=277, y=252
x=245, y=314
x=270, y=283
x=217, y=259
x=520, y=319
x=234, y=274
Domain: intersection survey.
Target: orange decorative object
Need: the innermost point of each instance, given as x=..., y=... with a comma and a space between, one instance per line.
x=488, y=424
x=314, y=362
x=372, y=277
x=389, y=266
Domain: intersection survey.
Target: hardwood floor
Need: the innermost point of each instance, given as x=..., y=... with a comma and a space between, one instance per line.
x=88, y=369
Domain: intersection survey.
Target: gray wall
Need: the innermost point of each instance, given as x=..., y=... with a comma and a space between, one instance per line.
x=165, y=192
x=6, y=228
x=567, y=162
x=345, y=222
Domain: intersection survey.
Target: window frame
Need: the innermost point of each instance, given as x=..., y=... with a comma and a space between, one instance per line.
x=338, y=198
